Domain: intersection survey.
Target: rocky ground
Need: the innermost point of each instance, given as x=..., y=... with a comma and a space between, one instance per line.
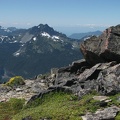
x=99, y=71
x=31, y=87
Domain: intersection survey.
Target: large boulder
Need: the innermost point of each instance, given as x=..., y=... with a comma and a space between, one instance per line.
x=104, y=48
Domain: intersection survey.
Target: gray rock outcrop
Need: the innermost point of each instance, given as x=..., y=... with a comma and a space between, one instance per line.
x=104, y=48
x=109, y=80
x=106, y=114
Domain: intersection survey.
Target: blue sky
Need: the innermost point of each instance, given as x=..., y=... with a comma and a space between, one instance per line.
x=68, y=16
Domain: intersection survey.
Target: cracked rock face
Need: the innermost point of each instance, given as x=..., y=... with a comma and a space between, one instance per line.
x=109, y=80
x=106, y=114
x=104, y=48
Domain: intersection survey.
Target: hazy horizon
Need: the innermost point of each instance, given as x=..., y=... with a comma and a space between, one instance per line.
x=65, y=16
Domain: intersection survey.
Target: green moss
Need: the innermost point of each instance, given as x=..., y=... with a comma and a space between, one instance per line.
x=55, y=106
x=15, y=81
x=118, y=116
x=16, y=104
x=58, y=106
x=10, y=108
x=115, y=100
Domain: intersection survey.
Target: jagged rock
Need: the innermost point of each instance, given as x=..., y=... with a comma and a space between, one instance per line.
x=78, y=78
x=100, y=98
x=103, y=100
x=31, y=88
x=108, y=80
x=40, y=95
x=106, y=114
x=76, y=66
x=4, y=88
x=70, y=72
x=88, y=80
x=19, y=89
x=66, y=81
x=104, y=48
x=88, y=73
x=104, y=66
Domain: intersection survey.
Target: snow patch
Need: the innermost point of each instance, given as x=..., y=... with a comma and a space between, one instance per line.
x=16, y=54
x=38, y=26
x=62, y=41
x=55, y=37
x=73, y=47
x=22, y=45
x=45, y=34
x=7, y=30
x=55, y=40
x=86, y=38
x=3, y=37
x=34, y=38
x=15, y=41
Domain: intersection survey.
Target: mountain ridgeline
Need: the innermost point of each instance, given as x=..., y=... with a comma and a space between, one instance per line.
x=85, y=35
x=33, y=51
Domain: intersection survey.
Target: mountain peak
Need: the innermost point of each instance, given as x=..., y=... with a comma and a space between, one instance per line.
x=43, y=25
x=45, y=28
x=42, y=28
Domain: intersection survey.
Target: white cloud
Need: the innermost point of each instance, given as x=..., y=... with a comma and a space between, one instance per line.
x=15, y=23
x=84, y=25
x=19, y=24
x=1, y=22
x=93, y=25
x=28, y=24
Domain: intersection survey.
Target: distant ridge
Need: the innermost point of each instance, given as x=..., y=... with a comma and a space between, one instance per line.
x=82, y=35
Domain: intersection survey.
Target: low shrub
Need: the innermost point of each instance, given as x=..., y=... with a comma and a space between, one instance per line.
x=15, y=81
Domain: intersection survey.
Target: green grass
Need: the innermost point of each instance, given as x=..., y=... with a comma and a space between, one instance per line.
x=115, y=100
x=118, y=116
x=8, y=109
x=58, y=106
x=55, y=105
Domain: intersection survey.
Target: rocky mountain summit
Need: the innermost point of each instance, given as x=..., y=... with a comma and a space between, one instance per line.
x=99, y=71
